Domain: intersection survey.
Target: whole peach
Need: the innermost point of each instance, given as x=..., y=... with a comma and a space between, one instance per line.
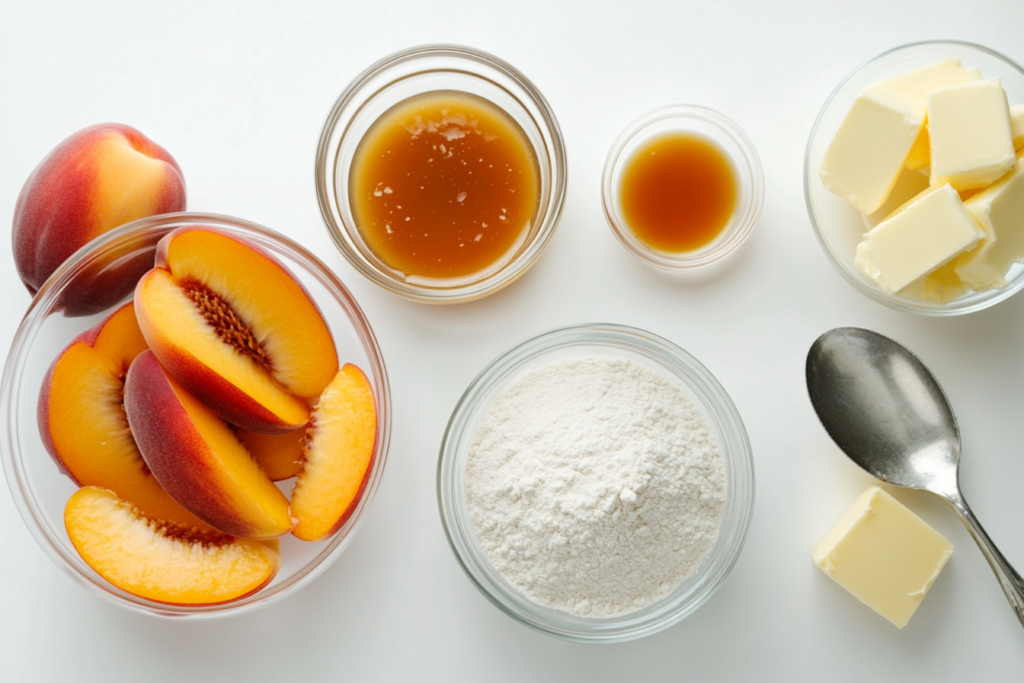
x=97, y=179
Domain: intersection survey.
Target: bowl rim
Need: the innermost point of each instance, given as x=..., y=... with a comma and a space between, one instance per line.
x=734, y=445
x=553, y=151
x=13, y=374
x=747, y=166
x=928, y=309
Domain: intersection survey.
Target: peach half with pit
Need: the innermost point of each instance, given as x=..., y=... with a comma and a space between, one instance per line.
x=82, y=420
x=197, y=457
x=234, y=327
x=97, y=179
x=163, y=562
x=338, y=456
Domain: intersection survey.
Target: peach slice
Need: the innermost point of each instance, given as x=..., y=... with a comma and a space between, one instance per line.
x=97, y=179
x=236, y=329
x=338, y=456
x=279, y=455
x=161, y=562
x=82, y=420
x=198, y=459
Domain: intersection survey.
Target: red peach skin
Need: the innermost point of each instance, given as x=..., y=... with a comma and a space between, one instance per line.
x=197, y=457
x=97, y=179
x=232, y=324
x=83, y=424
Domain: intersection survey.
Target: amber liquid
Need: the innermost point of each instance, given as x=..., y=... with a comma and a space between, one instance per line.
x=678, y=192
x=443, y=185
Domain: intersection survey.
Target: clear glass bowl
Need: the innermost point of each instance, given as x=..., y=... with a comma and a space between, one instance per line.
x=409, y=73
x=838, y=226
x=40, y=491
x=671, y=363
x=727, y=136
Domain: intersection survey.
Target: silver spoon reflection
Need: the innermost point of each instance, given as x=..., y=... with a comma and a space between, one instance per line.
x=885, y=410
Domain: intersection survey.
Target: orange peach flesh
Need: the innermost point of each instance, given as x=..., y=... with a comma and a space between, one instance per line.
x=198, y=459
x=85, y=423
x=338, y=456
x=263, y=293
x=279, y=455
x=164, y=563
x=257, y=497
x=233, y=383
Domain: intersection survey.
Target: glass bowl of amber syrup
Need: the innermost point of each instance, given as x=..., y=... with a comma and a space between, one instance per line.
x=682, y=187
x=440, y=174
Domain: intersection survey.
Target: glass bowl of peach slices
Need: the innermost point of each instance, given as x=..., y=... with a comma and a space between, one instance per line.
x=211, y=443
x=914, y=178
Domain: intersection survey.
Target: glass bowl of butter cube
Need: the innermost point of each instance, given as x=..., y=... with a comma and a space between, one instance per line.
x=914, y=178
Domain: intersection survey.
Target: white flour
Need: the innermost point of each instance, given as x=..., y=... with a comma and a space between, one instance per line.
x=594, y=486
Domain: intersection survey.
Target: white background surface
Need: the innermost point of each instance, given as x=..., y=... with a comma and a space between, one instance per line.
x=238, y=92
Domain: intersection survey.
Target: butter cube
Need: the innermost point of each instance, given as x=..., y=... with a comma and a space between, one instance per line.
x=999, y=210
x=866, y=156
x=918, y=84
x=908, y=186
x=943, y=74
x=930, y=231
x=883, y=554
x=969, y=126
x=1017, y=125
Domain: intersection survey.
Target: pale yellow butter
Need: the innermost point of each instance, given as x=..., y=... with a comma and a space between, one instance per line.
x=883, y=554
x=1017, y=125
x=920, y=154
x=866, y=156
x=931, y=230
x=918, y=84
x=943, y=74
x=999, y=210
x=969, y=127
x=908, y=186
x=942, y=285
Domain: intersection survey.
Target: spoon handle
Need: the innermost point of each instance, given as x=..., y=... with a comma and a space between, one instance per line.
x=1009, y=579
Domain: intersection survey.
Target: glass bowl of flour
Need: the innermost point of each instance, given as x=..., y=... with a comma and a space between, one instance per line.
x=596, y=483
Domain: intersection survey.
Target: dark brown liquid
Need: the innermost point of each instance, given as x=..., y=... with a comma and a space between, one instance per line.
x=443, y=185
x=678, y=192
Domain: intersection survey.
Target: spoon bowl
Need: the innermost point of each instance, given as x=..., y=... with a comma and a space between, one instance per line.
x=884, y=409
x=887, y=412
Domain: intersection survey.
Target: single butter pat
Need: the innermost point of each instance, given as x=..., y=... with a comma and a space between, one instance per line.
x=866, y=156
x=932, y=230
x=1017, y=125
x=969, y=127
x=917, y=84
x=943, y=74
x=999, y=210
x=883, y=554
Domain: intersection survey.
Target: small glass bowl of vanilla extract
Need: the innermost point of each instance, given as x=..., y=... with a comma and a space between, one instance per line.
x=441, y=173
x=682, y=187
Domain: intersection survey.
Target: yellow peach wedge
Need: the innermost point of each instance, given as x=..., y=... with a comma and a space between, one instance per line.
x=165, y=563
x=197, y=457
x=83, y=424
x=236, y=329
x=338, y=456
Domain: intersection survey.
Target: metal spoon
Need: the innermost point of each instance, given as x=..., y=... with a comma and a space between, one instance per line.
x=885, y=410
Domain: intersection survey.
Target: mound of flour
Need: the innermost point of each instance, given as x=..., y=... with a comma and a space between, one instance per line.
x=594, y=486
